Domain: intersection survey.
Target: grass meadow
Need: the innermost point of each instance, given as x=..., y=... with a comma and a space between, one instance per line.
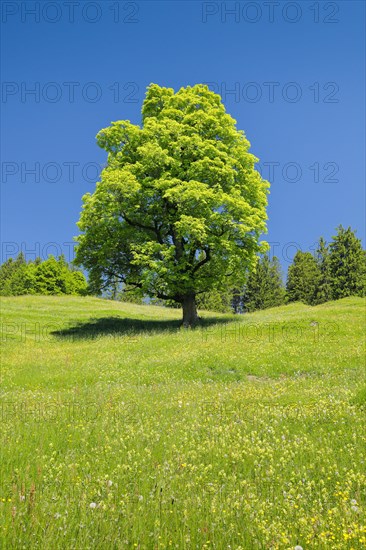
x=121, y=430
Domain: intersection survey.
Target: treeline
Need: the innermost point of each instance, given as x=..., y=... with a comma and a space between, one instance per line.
x=52, y=276
x=334, y=271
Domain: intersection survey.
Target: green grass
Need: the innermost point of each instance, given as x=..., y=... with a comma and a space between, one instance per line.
x=122, y=430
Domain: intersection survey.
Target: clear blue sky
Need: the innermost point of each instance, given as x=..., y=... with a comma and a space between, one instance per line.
x=297, y=70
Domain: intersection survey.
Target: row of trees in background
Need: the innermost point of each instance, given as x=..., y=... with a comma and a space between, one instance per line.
x=334, y=271
x=52, y=276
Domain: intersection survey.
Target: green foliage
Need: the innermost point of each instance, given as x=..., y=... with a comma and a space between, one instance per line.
x=11, y=273
x=323, y=291
x=264, y=287
x=215, y=300
x=52, y=277
x=302, y=278
x=130, y=294
x=336, y=271
x=347, y=264
x=78, y=283
x=180, y=207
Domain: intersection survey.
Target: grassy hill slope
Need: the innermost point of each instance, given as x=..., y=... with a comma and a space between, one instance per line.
x=122, y=430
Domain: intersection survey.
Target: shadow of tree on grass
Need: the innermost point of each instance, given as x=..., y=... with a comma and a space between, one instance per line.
x=125, y=326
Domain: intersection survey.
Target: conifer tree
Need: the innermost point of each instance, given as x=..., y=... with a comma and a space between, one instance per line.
x=323, y=292
x=346, y=264
x=302, y=278
x=264, y=287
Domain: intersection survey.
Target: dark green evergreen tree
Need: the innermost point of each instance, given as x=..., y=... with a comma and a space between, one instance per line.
x=236, y=301
x=346, y=264
x=264, y=287
x=302, y=278
x=13, y=276
x=323, y=292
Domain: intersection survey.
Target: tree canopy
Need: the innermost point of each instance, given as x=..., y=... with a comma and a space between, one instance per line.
x=180, y=208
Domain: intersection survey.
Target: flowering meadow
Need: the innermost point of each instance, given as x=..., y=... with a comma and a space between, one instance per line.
x=121, y=430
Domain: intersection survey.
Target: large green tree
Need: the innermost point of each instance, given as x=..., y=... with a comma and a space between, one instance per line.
x=180, y=207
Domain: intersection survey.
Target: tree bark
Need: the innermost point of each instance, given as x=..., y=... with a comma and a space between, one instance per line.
x=190, y=316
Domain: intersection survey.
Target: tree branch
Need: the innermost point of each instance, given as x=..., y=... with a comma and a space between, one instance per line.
x=204, y=261
x=154, y=229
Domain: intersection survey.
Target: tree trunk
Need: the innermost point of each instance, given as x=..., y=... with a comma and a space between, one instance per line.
x=190, y=317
